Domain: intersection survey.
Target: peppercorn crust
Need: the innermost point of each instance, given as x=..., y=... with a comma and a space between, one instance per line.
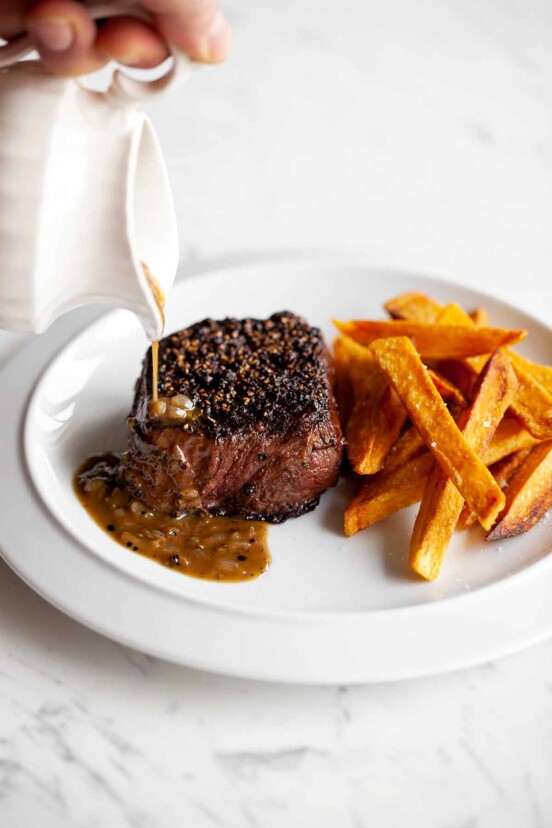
x=244, y=373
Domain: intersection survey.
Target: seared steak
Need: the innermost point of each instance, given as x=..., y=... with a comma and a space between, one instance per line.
x=257, y=433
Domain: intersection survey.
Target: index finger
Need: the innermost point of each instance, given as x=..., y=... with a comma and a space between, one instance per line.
x=196, y=27
x=12, y=13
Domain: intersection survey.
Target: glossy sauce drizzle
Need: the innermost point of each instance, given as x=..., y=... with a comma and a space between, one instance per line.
x=215, y=548
x=154, y=370
x=159, y=297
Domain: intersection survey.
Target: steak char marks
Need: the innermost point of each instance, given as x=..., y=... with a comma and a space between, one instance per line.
x=263, y=438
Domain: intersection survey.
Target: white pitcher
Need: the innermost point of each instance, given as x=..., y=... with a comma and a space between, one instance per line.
x=84, y=194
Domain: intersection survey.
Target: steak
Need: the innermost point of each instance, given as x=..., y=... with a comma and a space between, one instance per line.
x=246, y=423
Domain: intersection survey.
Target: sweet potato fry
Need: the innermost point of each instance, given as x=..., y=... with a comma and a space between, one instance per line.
x=505, y=468
x=398, y=359
x=453, y=314
x=541, y=373
x=529, y=495
x=533, y=402
x=377, y=415
x=442, y=502
x=448, y=391
x=510, y=436
x=356, y=358
x=375, y=423
x=461, y=373
x=434, y=341
x=408, y=446
x=414, y=306
x=386, y=493
x=354, y=365
x=502, y=472
x=480, y=317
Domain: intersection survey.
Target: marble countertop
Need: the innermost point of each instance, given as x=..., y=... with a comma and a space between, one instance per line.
x=422, y=133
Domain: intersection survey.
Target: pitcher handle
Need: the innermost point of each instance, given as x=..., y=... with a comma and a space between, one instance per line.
x=122, y=86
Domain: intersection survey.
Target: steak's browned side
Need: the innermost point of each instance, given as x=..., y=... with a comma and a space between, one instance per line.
x=264, y=439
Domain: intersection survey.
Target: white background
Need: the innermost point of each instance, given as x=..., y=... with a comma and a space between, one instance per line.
x=422, y=132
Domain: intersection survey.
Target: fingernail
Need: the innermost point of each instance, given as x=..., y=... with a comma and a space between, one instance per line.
x=217, y=44
x=52, y=35
x=131, y=59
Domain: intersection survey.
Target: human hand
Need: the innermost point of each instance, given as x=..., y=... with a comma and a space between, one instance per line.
x=70, y=43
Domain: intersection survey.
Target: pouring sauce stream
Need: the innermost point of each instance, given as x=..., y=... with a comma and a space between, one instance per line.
x=159, y=297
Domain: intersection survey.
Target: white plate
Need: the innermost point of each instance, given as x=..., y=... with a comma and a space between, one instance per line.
x=329, y=609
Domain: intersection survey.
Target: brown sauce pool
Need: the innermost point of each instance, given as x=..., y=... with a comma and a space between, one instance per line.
x=214, y=548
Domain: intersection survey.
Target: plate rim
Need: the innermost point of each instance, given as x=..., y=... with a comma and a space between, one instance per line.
x=275, y=615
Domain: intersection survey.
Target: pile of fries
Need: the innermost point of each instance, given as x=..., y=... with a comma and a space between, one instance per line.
x=437, y=408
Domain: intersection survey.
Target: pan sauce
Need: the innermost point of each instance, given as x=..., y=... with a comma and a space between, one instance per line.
x=214, y=548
